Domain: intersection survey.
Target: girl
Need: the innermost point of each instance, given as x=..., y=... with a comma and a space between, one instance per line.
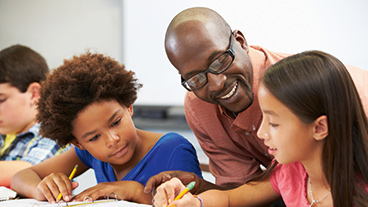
x=88, y=102
x=315, y=126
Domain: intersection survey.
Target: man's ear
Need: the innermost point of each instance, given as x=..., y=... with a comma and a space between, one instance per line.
x=77, y=144
x=320, y=128
x=239, y=37
x=34, y=91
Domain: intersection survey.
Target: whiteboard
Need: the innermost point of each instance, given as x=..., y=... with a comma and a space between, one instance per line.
x=132, y=32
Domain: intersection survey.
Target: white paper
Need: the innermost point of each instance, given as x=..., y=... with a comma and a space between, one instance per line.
x=98, y=203
x=6, y=193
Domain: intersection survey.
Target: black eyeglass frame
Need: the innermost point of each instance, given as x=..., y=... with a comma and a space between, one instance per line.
x=229, y=51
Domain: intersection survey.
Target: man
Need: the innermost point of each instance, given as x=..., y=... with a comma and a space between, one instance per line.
x=222, y=73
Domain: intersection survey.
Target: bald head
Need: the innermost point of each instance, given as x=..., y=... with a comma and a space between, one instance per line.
x=194, y=29
x=200, y=15
x=199, y=39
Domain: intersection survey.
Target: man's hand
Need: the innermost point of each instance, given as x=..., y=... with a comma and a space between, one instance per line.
x=184, y=177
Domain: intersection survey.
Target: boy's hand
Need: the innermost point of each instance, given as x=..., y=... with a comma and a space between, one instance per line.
x=54, y=184
x=124, y=190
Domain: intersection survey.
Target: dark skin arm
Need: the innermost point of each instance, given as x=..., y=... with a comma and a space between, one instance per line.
x=185, y=177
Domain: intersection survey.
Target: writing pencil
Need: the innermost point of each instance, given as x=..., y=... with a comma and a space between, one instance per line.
x=70, y=178
x=189, y=187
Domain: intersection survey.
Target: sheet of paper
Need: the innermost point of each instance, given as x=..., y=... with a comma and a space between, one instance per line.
x=98, y=203
x=6, y=193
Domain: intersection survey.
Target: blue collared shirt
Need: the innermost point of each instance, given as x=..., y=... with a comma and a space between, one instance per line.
x=31, y=147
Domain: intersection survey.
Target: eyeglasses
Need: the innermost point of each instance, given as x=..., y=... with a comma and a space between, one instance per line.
x=219, y=65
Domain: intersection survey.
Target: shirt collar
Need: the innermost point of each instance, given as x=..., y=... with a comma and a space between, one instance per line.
x=251, y=118
x=34, y=130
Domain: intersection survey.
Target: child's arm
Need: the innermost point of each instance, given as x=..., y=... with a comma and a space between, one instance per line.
x=124, y=190
x=257, y=193
x=8, y=170
x=47, y=179
x=254, y=194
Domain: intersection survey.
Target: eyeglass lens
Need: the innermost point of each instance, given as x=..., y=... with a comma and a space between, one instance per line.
x=220, y=64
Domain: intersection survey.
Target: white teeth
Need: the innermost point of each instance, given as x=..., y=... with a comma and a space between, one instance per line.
x=230, y=93
x=272, y=148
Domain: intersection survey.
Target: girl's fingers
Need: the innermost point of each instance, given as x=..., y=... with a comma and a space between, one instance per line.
x=167, y=192
x=161, y=198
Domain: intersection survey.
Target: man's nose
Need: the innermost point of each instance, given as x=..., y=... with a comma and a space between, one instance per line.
x=215, y=82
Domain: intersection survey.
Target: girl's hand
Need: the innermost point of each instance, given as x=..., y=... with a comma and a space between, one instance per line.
x=124, y=190
x=52, y=185
x=167, y=192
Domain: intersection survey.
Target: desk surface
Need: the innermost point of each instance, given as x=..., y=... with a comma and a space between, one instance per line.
x=98, y=203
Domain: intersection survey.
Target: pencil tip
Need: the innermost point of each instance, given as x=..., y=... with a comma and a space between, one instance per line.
x=191, y=185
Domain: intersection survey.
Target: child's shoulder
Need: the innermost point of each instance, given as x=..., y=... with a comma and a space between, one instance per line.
x=173, y=139
x=172, y=136
x=283, y=171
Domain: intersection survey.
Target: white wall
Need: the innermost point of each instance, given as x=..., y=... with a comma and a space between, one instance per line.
x=132, y=31
x=145, y=24
x=59, y=29
x=338, y=27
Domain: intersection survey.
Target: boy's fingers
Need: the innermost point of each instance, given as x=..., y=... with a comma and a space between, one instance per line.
x=82, y=195
x=45, y=191
x=64, y=187
x=49, y=192
x=74, y=185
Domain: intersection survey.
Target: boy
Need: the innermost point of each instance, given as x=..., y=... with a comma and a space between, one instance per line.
x=21, y=70
x=88, y=101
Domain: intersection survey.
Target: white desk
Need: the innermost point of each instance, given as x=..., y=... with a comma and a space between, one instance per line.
x=98, y=203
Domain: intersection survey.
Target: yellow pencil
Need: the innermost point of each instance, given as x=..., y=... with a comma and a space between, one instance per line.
x=189, y=187
x=70, y=178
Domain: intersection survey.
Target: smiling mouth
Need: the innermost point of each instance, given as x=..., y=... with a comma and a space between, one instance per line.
x=230, y=93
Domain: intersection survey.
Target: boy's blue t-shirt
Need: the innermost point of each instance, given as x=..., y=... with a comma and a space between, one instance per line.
x=171, y=152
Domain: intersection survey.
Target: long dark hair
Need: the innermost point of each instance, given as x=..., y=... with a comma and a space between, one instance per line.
x=314, y=83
